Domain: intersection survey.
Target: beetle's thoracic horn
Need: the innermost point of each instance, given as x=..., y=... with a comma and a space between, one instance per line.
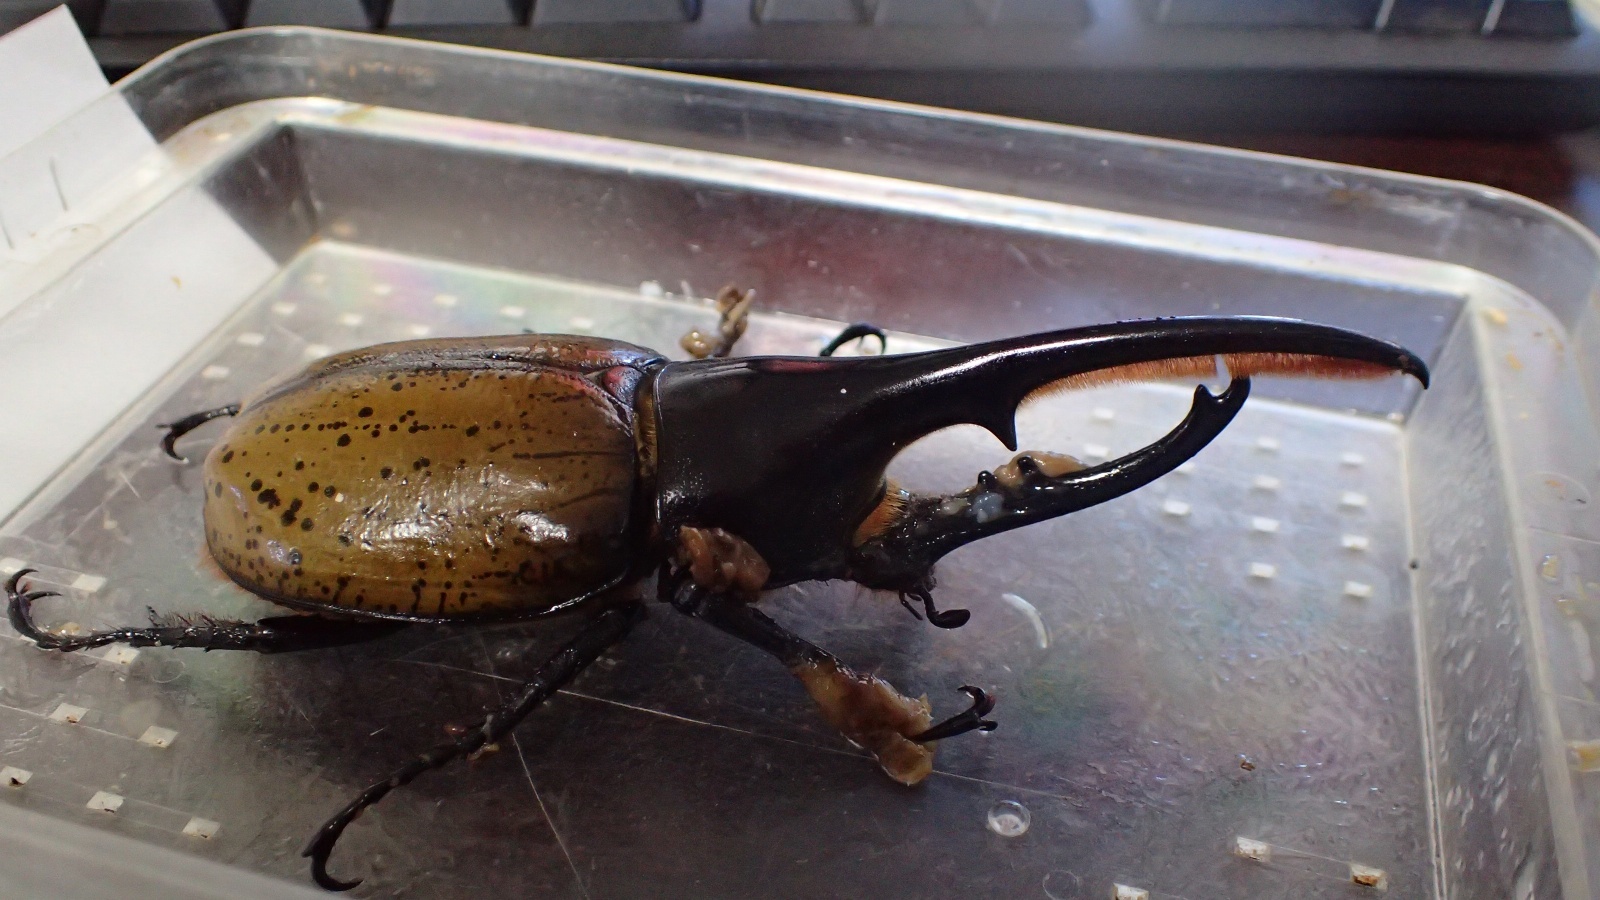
x=789, y=453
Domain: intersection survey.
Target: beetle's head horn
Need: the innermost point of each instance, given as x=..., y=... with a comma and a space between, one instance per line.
x=789, y=453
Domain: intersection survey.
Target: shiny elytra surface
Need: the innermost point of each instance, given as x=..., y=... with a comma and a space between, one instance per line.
x=432, y=494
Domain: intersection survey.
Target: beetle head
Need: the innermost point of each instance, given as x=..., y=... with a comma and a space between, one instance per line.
x=789, y=453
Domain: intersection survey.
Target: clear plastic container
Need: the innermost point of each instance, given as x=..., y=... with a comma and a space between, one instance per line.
x=1350, y=648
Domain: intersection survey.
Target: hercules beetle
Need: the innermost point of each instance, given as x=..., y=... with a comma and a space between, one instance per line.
x=473, y=480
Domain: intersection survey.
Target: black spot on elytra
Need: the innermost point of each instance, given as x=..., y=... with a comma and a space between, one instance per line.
x=344, y=440
x=345, y=540
x=306, y=525
x=299, y=464
x=216, y=489
x=273, y=429
x=386, y=471
x=255, y=485
x=328, y=491
x=312, y=487
x=227, y=457
x=420, y=463
x=397, y=386
x=472, y=430
x=292, y=513
x=365, y=413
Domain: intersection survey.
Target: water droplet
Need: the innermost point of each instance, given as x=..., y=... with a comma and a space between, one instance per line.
x=166, y=671
x=1008, y=818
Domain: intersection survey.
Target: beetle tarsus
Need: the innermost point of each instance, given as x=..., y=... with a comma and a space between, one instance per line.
x=855, y=333
x=189, y=423
x=597, y=636
x=971, y=720
x=276, y=634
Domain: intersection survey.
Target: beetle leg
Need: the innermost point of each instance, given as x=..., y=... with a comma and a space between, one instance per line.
x=597, y=636
x=855, y=333
x=733, y=306
x=971, y=720
x=189, y=423
x=867, y=710
x=278, y=634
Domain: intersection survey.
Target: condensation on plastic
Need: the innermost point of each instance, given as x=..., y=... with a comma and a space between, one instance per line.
x=1358, y=630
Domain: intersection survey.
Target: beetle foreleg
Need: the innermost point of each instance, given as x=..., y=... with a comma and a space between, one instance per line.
x=596, y=637
x=189, y=423
x=278, y=634
x=867, y=710
x=722, y=562
x=733, y=305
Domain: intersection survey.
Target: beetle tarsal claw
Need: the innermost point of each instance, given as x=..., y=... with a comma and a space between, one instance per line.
x=189, y=423
x=971, y=720
x=321, y=847
x=19, y=609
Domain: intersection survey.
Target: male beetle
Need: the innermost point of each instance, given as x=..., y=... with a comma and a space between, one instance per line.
x=489, y=479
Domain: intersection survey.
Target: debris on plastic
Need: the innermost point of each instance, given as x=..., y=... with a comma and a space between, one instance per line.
x=1251, y=849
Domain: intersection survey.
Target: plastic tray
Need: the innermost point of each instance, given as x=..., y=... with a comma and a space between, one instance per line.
x=1350, y=642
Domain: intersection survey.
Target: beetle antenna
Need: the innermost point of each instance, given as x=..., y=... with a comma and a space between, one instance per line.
x=189, y=423
x=948, y=618
x=909, y=608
